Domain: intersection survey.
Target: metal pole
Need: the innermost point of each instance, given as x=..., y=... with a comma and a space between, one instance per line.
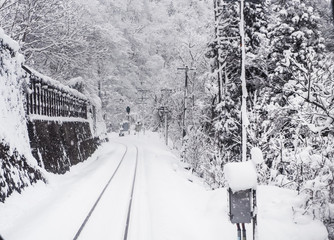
x=219, y=78
x=244, y=119
x=166, y=126
x=254, y=215
x=185, y=100
x=244, y=237
x=239, y=231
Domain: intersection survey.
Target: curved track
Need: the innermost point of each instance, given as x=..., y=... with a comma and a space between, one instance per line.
x=114, y=175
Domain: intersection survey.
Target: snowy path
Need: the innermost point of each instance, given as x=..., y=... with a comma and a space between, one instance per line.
x=169, y=202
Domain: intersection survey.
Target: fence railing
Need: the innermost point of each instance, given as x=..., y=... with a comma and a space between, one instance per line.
x=50, y=98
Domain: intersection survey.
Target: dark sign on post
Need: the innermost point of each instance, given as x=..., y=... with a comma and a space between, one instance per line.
x=240, y=206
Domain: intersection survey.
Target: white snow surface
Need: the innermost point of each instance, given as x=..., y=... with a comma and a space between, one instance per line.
x=33, y=117
x=241, y=175
x=169, y=202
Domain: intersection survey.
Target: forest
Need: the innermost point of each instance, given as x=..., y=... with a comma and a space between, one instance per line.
x=128, y=53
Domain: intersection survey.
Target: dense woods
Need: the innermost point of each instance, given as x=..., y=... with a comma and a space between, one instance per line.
x=128, y=52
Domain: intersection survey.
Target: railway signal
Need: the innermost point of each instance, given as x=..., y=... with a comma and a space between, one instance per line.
x=128, y=112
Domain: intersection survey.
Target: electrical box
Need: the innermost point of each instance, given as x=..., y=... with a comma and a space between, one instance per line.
x=240, y=206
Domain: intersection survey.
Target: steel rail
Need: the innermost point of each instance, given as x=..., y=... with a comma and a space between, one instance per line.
x=100, y=196
x=126, y=231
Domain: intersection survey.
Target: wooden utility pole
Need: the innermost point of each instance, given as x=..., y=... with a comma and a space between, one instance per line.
x=143, y=97
x=142, y=101
x=186, y=69
x=143, y=92
x=164, y=111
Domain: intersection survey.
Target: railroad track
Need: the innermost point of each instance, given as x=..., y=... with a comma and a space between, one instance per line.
x=128, y=215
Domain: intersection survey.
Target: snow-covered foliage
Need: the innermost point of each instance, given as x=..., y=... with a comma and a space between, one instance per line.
x=56, y=84
x=302, y=109
x=95, y=115
x=18, y=168
x=289, y=81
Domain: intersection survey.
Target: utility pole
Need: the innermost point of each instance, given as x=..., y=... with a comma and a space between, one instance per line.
x=143, y=92
x=221, y=28
x=219, y=8
x=164, y=111
x=244, y=118
x=141, y=101
x=166, y=91
x=186, y=69
x=218, y=13
x=143, y=97
x=166, y=125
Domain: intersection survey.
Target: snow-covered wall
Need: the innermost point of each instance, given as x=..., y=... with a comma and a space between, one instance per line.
x=32, y=143
x=66, y=133
x=60, y=143
x=18, y=168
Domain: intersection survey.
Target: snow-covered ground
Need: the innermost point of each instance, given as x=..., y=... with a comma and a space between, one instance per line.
x=169, y=203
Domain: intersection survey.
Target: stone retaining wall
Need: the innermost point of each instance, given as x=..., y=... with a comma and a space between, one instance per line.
x=15, y=172
x=59, y=145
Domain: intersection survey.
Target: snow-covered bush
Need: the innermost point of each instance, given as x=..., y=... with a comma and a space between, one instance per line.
x=200, y=154
x=303, y=111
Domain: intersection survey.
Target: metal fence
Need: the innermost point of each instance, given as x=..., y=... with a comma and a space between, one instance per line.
x=47, y=99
